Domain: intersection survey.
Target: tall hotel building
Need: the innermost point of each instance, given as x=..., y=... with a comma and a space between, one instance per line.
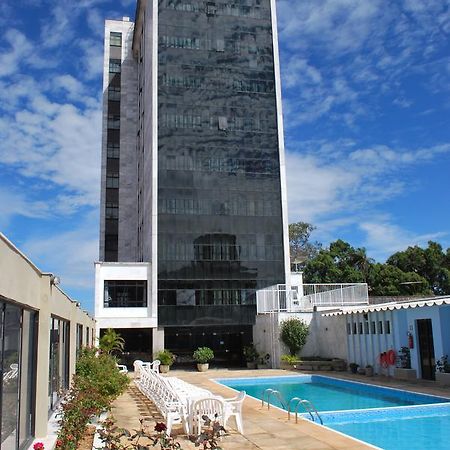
x=193, y=202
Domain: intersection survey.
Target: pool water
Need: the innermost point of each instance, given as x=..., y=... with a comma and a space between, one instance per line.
x=327, y=394
x=417, y=433
x=390, y=419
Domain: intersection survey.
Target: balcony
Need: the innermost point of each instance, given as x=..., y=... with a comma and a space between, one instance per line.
x=308, y=297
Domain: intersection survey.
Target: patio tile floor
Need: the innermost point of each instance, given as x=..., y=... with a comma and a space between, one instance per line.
x=264, y=429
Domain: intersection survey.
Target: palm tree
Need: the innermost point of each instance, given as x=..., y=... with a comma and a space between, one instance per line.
x=111, y=341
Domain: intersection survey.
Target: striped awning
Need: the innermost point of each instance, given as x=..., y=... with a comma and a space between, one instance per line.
x=420, y=303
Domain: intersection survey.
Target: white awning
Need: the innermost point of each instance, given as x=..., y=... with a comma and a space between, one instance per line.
x=420, y=303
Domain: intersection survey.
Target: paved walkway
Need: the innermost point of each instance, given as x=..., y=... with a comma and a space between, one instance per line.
x=263, y=429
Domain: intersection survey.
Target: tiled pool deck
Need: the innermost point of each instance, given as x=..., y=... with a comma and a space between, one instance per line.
x=263, y=429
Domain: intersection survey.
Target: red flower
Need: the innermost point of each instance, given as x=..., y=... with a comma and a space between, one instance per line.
x=160, y=427
x=38, y=446
x=58, y=443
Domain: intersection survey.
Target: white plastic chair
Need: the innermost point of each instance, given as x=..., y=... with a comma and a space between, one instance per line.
x=155, y=365
x=233, y=408
x=212, y=407
x=122, y=368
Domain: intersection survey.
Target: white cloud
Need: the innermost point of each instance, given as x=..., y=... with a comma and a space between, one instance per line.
x=329, y=181
x=19, y=49
x=14, y=203
x=68, y=254
x=384, y=238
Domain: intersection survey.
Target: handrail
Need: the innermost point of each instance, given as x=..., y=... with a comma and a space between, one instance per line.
x=273, y=392
x=309, y=408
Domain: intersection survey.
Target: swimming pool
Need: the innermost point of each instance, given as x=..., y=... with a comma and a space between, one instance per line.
x=385, y=417
x=329, y=394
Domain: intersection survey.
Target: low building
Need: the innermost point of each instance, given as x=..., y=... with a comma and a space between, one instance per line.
x=41, y=330
x=407, y=335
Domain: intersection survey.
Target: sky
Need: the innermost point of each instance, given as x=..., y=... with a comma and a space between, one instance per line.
x=366, y=103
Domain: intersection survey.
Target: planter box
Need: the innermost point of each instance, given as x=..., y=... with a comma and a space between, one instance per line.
x=443, y=378
x=405, y=374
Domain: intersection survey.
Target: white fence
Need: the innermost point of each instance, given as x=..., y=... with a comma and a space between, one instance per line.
x=278, y=299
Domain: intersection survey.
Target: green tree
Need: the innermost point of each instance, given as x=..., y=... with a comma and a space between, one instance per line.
x=293, y=334
x=301, y=249
x=431, y=263
x=387, y=280
x=111, y=342
x=340, y=263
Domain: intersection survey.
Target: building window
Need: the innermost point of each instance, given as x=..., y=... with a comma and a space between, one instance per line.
x=115, y=39
x=115, y=66
x=360, y=328
x=113, y=121
x=112, y=210
x=113, y=150
x=374, y=329
x=58, y=382
x=387, y=327
x=112, y=180
x=380, y=327
x=355, y=329
x=114, y=93
x=349, y=329
x=125, y=294
x=18, y=368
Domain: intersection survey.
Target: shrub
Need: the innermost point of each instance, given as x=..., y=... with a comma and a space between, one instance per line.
x=250, y=353
x=166, y=357
x=442, y=365
x=203, y=355
x=95, y=385
x=291, y=360
x=293, y=334
x=111, y=342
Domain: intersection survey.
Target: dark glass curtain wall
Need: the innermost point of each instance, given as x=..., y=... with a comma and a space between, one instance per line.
x=17, y=367
x=219, y=193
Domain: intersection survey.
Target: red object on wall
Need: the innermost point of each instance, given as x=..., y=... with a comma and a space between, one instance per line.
x=410, y=340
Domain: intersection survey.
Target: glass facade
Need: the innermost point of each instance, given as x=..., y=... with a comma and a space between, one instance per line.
x=17, y=367
x=220, y=234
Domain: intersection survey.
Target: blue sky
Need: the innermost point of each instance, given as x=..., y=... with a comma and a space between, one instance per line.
x=366, y=97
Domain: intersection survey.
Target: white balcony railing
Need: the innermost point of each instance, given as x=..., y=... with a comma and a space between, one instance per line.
x=278, y=299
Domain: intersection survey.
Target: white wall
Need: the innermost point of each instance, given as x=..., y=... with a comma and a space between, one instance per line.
x=124, y=317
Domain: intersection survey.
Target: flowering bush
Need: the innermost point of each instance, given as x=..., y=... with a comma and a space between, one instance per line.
x=95, y=385
x=112, y=437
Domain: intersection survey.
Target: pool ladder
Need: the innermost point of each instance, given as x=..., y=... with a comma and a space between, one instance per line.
x=307, y=405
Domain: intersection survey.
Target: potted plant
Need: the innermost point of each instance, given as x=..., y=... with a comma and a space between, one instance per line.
x=289, y=361
x=263, y=361
x=251, y=356
x=369, y=370
x=443, y=371
x=203, y=355
x=167, y=358
x=353, y=367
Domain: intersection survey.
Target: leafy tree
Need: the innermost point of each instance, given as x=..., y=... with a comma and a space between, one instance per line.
x=301, y=248
x=387, y=280
x=340, y=263
x=293, y=333
x=111, y=342
x=430, y=263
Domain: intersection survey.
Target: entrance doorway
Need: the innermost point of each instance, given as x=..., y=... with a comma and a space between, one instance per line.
x=426, y=348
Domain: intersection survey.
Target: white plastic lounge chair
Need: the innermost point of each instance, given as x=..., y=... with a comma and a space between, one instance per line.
x=233, y=407
x=212, y=407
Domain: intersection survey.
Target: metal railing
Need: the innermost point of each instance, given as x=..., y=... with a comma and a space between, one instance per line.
x=307, y=405
x=274, y=392
x=279, y=299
